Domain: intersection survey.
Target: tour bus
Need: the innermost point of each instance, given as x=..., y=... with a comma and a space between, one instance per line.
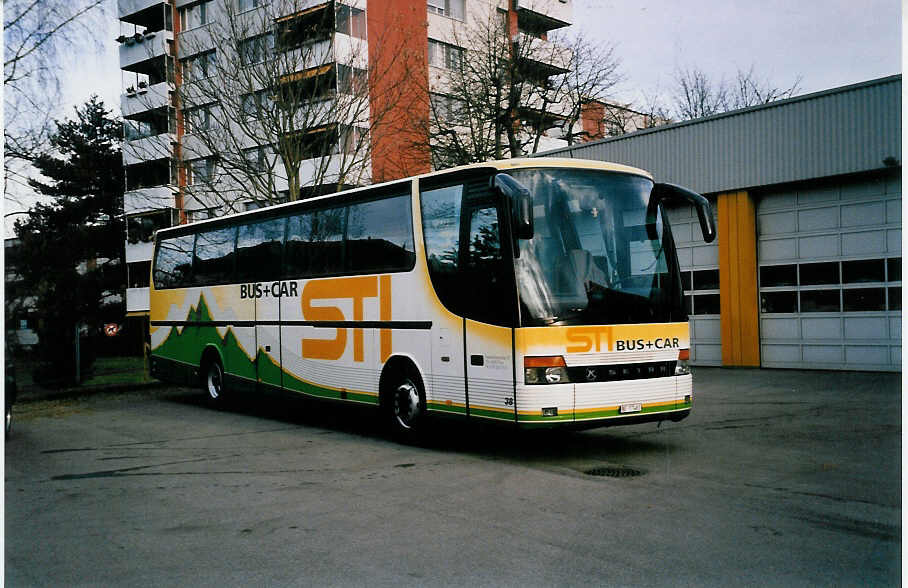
x=539, y=292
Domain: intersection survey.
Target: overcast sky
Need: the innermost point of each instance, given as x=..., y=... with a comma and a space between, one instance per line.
x=827, y=43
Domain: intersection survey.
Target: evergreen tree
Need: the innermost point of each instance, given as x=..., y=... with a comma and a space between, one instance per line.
x=72, y=244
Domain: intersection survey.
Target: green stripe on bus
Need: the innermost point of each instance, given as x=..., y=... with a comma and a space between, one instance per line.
x=492, y=414
x=441, y=407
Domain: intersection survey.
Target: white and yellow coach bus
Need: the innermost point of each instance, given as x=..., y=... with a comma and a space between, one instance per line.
x=533, y=291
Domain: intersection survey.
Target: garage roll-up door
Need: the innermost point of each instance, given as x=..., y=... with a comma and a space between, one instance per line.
x=829, y=258
x=700, y=275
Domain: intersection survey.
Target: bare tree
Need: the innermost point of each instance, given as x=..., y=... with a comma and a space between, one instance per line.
x=593, y=74
x=751, y=90
x=697, y=95
x=495, y=91
x=285, y=107
x=35, y=34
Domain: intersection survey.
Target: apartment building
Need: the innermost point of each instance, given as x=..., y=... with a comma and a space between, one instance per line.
x=368, y=71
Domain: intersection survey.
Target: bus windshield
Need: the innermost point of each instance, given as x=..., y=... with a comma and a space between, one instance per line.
x=599, y=255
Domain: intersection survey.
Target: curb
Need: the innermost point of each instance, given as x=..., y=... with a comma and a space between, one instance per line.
x=38, y=394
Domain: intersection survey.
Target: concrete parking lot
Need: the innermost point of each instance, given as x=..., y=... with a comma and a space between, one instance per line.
x=777, y=478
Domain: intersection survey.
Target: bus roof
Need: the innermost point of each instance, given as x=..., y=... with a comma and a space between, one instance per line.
x=502, y=164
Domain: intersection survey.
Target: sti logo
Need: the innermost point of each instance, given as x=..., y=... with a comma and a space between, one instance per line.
x=358, y=288
x=587, y=339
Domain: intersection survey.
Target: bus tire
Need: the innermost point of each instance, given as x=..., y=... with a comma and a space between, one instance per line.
x=404, y=401
x=213, y=380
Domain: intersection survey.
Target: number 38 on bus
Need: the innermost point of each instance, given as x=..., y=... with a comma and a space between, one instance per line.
x=539, y=292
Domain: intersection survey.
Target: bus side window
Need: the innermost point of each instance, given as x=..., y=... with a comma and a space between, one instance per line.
x=297, y=246
x=258, y=250
x=315, y=243
x=214, y=256
x=173, y=262
x=380, y=236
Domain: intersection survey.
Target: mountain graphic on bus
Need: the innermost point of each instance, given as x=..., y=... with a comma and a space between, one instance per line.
x=199, y=332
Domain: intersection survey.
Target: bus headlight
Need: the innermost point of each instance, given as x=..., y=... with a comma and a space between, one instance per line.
x=545, y=370
x=682, y=367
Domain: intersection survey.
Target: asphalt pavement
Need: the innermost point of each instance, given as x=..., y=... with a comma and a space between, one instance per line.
x=778, y=477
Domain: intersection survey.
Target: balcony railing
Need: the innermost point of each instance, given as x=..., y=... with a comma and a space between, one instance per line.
x=148, y=148
x=146, y=199
x=137, y=299
x=551, y=58
x=140, y=48
x=140, y=251
x=545, y=14
x=129, y=8
x=139, y=98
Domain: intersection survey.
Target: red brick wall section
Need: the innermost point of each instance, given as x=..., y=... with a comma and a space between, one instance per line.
x=178, y=150
x=398, y=78
x=591, y=117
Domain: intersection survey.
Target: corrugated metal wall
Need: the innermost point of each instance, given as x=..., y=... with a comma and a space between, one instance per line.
x=840, y=131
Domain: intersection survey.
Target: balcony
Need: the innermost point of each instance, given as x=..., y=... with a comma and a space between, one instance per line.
x=141, y=100
x=142, y=12
x=140, y=251
x=148, y=148
x=139, y=49
x=543, y=57
x=146, y=199
x=137, y=300
x=544, y=15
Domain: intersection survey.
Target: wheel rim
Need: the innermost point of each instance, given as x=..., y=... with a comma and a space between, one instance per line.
x=406, y=404
x=214, y=381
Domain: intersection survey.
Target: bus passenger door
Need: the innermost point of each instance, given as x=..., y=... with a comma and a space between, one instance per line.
x=489, y=308
x=268, y=335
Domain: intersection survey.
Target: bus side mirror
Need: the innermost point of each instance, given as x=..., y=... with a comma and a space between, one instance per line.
x=520, y=204
x=672, y=193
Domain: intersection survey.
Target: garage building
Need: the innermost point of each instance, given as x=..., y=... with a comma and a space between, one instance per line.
x=806, y=269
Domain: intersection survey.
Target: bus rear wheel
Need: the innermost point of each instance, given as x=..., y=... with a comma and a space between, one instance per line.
x=405, y=404
x=213, y=381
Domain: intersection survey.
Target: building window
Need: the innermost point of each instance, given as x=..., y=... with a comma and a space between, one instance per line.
x=862, y=285
x=198, y=119
x=255, y=49
x=444, y=55
x=141, y=228
x=244, y=5
x=304, y=27
x=194, y=216
x=199, y=67
x=350, y=21
x=352, y=80
x=452, y=8
x=258, y=158
x=138, y=274
x=195, y=16
x=701, y=291
x=445, y=108
x=256, y=104
x=200, y=171
x=351, y=139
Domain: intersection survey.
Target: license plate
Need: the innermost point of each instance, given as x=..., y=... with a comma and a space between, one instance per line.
x=633, y=407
